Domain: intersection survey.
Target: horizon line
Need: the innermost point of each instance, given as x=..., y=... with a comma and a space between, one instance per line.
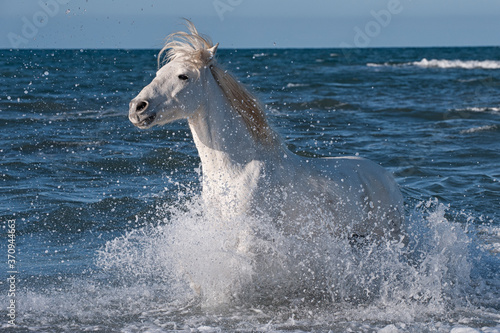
x=255, y=48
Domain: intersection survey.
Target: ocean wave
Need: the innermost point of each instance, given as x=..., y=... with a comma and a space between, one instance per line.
x=258, y=55
x=468, y=64
x=445, y=64
x=479, y=109
x=480, y=129
x=295, y=85
x=372, y=64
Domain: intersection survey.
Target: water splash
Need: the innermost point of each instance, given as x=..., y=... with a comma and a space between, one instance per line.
x=252, y=261
x=188, y=268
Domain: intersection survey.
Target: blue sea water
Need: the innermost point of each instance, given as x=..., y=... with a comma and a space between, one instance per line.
x=105, y=212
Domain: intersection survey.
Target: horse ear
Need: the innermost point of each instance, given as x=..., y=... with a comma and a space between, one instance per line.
x=213, y=50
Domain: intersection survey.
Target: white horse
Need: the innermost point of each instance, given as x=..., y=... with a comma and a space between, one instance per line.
x=246, y=168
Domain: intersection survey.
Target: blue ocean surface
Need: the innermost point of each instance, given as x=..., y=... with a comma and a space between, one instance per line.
x=105, y=214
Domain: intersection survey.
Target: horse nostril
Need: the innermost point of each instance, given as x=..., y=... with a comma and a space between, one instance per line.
x=141, y=106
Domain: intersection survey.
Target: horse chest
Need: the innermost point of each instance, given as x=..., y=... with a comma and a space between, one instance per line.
x=231, y=188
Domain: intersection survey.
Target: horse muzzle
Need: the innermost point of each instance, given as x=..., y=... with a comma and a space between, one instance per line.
x=139, y=113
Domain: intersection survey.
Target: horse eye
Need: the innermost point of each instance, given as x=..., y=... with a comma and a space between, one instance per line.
x=183, y=77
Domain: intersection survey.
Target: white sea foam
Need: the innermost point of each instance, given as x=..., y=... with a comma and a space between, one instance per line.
x=258, y=55
x=479, y=129
x=491, y=236
x=295, y=85
x=466, y=64
x=444, y=63
x=479, y=109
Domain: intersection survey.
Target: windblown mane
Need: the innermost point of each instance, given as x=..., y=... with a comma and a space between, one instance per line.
x=194, y=47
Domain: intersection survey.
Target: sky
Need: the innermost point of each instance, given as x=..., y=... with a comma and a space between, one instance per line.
x=133, y=24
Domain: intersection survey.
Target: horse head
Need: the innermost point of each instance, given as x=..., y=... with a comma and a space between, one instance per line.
x=177, y=91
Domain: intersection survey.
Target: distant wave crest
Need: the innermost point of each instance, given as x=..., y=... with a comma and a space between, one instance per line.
x=479, y=109
x=444, y=63
x=469, y=64
x=480, y=129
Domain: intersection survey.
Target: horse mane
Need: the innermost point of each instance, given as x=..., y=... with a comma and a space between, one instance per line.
x=194, y=48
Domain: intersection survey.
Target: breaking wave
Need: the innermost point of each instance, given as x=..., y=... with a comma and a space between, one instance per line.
x=443, y=63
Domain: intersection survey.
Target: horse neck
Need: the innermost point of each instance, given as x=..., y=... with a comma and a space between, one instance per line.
x=231, y=159
x=220, y=134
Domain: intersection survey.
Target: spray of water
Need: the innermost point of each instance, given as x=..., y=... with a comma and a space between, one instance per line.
x=187, y=264
x=250, y=261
